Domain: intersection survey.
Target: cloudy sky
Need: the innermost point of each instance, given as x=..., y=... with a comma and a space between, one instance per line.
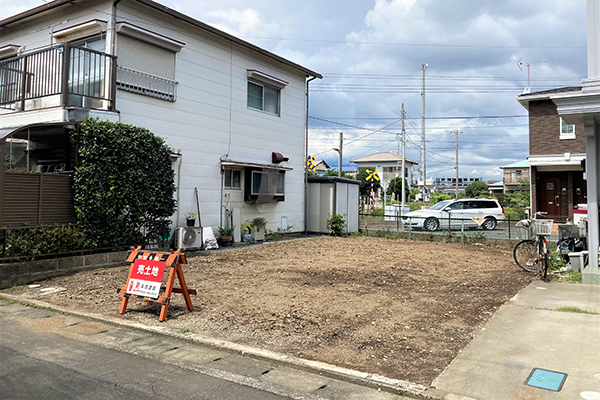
x=370, y=55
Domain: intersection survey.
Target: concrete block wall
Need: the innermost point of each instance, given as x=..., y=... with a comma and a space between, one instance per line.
x=27, y=272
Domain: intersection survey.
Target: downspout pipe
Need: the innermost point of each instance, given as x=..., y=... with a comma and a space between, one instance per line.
x=114, y=28
x=113, y=52
x=306, y=158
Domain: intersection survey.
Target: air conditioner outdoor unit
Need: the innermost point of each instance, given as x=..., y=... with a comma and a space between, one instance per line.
x=187, y=238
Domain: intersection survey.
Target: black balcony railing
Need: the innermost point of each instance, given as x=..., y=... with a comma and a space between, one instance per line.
x=58, y=76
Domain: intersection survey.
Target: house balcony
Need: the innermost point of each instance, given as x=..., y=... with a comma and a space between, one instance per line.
x=58, y=84
x=516, y=180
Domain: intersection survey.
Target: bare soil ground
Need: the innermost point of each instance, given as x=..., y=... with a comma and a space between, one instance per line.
x=399, y=308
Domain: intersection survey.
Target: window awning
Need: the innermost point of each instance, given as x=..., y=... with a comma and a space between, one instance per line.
x=243, y=164
x=149, y=37
x=6, y=132
x=81, y=30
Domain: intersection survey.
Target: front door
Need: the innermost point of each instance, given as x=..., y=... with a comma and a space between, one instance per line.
x=550, y=198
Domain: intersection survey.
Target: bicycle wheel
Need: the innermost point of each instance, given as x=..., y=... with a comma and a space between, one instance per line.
x=526, y=256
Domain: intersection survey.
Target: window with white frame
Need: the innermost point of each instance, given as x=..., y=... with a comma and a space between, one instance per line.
x=233, y=179
x=263, y=97
x=566, y=131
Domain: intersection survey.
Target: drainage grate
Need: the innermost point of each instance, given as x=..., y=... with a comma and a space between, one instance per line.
x=544, y=379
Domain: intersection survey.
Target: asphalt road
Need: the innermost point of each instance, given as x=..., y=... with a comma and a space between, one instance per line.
x=42, y=365
x=46, y=354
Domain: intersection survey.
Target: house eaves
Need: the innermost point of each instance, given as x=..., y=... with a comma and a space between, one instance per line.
x=175, y=14
x=525, y=98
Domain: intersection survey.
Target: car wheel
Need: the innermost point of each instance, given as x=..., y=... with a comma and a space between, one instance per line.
x=431, y=224
x=489, y=224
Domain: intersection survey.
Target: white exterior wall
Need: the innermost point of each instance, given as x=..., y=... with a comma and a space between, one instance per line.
x=210, y=111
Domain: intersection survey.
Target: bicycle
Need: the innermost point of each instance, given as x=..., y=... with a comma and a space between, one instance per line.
x=531, y=253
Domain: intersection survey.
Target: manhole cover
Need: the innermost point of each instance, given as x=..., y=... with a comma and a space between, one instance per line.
x=544, y=379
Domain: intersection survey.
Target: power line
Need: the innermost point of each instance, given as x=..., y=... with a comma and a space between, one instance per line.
x=448, y=77
x=326, y=119
x=468, y=46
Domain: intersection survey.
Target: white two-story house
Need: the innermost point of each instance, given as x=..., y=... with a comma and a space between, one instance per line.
x=233, y=114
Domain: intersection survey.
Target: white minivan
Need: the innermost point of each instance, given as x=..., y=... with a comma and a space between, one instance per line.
x=454, y=214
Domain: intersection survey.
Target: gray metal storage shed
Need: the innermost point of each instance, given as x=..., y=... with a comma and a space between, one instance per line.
x=327, y=194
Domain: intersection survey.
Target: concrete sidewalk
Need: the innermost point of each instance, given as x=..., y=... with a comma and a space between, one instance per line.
x=527, y=333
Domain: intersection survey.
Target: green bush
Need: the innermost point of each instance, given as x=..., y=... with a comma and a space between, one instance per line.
x=336, y=224
x=477, y=189
x=124, y=185
x=44, y=240
x=514, y=213
x=436, y=197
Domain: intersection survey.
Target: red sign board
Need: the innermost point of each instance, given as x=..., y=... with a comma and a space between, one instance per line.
x=146, y=278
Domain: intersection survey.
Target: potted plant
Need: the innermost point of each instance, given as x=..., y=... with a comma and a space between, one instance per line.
x=247, y=232
x=258, y=228
x=190, y=219
x=225, y=234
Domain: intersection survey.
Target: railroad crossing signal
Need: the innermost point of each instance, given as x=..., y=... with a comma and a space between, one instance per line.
x=372, y=175
x=309, y=163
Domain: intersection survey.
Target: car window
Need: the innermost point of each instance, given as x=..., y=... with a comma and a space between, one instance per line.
x=440, y=205
x=489, y=204
x=457, y=206
x=473, y=204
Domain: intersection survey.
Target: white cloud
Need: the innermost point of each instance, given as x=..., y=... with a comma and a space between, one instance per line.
x=247, y=22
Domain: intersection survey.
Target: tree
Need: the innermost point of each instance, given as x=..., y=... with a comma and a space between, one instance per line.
x=333, y=172
x=123, y=185
x=396, y=188
x=477, y=189
x=365, y=185
x=436, y=197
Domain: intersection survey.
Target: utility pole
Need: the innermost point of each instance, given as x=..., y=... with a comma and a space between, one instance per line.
x=457, y=132
x=403, y=164
x=340, y=155
x=423, y=166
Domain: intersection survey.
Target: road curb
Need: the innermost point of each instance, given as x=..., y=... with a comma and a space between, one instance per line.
x=395, y=386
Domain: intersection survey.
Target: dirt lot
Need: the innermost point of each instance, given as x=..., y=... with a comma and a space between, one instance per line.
x=399, y=308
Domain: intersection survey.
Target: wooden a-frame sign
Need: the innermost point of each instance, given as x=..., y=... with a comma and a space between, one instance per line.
x=145, y=279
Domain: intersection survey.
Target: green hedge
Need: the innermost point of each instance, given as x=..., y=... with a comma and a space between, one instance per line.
x=43, y=240
x=124, y=184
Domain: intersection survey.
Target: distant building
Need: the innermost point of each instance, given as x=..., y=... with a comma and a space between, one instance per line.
x=320, y=166
x=451, y=181
x=516, y=176
x=495, y=188
x=388, y=163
